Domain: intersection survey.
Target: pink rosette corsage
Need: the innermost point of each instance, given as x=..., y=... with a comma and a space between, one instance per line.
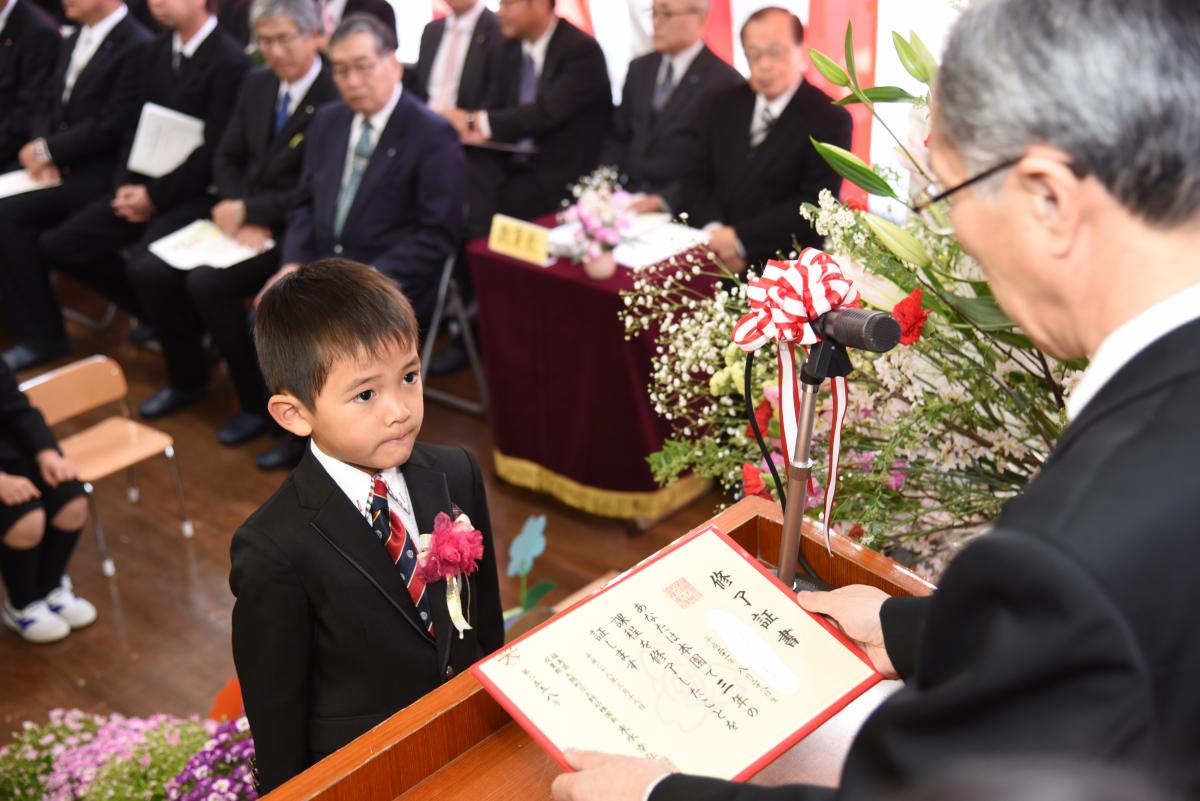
x=452, y=551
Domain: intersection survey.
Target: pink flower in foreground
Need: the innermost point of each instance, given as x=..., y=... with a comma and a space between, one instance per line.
x=455, y=549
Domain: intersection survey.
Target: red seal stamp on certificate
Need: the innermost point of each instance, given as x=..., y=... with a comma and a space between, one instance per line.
x=682, y=592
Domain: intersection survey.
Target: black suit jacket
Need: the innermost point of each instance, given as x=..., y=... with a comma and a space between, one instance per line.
x=759, y=190
x=407, y=215
x=23, y=430
x=652, y=150
x=571, y=116
x=28, y=46
x=472, y=85
x=326, y=638
x=205, y=87
x=380, y=9
x=257, y=166
x=1070, y=629
x=86, y=132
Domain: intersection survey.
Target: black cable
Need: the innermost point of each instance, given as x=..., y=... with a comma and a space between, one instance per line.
x=766, y=453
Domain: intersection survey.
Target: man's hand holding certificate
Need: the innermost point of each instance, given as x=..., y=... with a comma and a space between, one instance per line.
x=698, y=658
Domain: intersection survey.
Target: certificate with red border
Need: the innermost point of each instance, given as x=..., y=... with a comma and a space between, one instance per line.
x=698, y=656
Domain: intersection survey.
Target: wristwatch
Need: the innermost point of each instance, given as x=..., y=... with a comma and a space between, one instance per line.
x=41, y=152
x=470, y=120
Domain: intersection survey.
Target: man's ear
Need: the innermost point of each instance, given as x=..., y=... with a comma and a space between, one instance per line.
x=290, y=413
x=1055, y=197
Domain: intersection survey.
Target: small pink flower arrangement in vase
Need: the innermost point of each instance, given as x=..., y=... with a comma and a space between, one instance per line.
x=603, y=214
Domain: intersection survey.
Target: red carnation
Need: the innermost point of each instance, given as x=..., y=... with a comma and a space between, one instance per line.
x=752, y=482
x=911, y=317
x=762, y=416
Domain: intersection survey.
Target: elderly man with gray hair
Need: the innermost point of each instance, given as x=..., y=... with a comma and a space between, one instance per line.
x=1066, y=134
x=256, y=168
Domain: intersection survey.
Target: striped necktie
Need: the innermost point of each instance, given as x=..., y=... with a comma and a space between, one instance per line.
x=400, y=547
x=358, y=165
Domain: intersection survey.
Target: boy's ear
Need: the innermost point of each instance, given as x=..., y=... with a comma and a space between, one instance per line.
x=291, y=414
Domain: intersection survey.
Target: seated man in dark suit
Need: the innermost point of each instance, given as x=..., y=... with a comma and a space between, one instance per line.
x=194, y=68
x=257, y=172
x=382, y=183
x=755, y=164
x=334, y=11
x=1069, y=631
x=652, y=128
x=28, y=44
x=451, y=68
x=76, y=135
x=549, y=90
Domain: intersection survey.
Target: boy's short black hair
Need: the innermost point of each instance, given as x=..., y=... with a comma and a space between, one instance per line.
x=327, y=309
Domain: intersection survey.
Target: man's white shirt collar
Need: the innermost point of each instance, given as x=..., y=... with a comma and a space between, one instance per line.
x=537, y=48
x=465, y=23
x=358, y=486
x=188, y=50
x=297, y=91
x=379, y=119
x=98, y=32
x=777, y=105
x=681, y=61
x=1131, y=338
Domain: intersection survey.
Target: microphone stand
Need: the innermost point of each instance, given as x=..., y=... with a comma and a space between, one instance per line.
x=826, y=359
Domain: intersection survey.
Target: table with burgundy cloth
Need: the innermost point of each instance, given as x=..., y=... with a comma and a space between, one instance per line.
x=570, y=410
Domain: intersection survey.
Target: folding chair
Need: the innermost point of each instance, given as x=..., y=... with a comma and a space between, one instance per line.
x=449, y=302
x=115, y=444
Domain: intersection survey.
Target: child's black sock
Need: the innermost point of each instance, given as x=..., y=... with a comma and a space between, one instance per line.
x=57, y=547
x=18, y=567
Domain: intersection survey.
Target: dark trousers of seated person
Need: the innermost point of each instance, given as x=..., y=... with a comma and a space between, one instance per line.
x=182, y=304
x=503, y=183
x=89, y=245
x=30, y=307
x=31, y=572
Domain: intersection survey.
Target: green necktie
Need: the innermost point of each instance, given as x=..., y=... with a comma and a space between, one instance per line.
x=358, y=165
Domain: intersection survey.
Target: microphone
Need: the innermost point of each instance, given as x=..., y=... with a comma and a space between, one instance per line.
x=858, y=328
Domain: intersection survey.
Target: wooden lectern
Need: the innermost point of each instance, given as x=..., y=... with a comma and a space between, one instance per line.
x=457, y=742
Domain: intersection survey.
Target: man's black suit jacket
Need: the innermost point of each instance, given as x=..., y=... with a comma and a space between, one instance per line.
x=254, y=164
x=652, y=150
x=472, y=85
x=1070, y=629
x=23, y=430
x=28, y=45
x=205, y=87
x=759, y=190
x=86, y=133
x=407, y=215
x=570, y=118
x=326, y=637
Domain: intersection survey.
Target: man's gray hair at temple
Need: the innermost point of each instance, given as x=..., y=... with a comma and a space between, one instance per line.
x=1115, y=84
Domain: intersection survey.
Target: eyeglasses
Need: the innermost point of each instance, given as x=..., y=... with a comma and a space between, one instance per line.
x=772, y=53
x=658, y=12
x=343, y=71
x=283, y=40
x=937, y=194
x=508, y=3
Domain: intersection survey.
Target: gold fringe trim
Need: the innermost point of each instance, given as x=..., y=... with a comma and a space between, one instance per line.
x=645, y=507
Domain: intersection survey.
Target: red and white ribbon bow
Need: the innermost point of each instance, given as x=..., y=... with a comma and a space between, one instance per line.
x=784, y=301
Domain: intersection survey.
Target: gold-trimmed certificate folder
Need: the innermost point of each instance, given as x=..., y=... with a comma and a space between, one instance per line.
x=699, y=656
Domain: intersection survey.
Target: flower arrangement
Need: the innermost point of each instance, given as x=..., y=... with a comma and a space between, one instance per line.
x=221, y=770
x=78, y=756
x=940, y=431
x=601, y=212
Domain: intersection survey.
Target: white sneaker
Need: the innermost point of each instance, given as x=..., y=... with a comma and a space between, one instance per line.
x=69, y=606
x=36, y=622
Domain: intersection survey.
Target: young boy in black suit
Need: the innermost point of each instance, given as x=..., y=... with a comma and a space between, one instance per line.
x=332, y=632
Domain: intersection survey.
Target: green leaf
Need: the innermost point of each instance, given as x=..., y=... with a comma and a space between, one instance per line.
x=880, y=94
x=850, y=56
x=984, y=313
x=909, y=58
x=853, y=169
x=923, y=55
x=536, y=593
x=829, y=68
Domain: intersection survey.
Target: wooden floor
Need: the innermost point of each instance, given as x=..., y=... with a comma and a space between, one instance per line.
x=161, y=643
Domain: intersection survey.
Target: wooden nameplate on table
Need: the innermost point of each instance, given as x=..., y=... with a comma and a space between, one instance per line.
x=459, y=742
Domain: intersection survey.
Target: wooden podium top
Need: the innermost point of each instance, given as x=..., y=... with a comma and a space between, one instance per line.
x=457, y=742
